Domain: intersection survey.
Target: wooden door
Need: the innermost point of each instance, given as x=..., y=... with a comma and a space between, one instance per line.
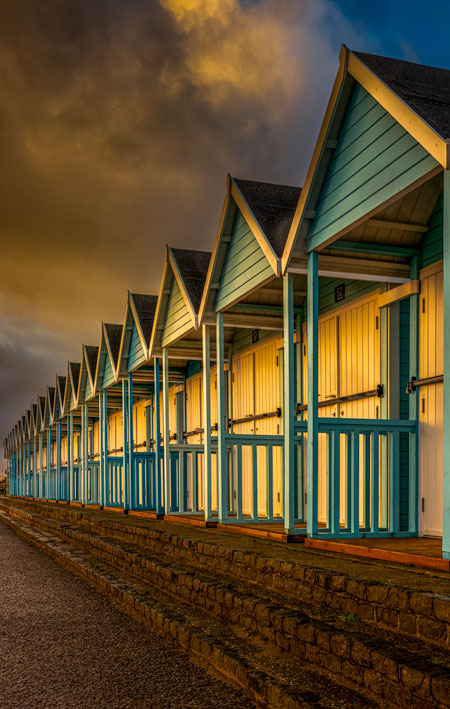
x=243, y=386
x=431, y=403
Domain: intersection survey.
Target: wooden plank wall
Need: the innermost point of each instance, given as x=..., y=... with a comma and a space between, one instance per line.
x=177, y=314
x=245, y=264
x=375, y=159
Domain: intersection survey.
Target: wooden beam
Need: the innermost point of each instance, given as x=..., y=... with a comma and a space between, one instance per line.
x=390, y=224
x=313, y=396
x=399, y=293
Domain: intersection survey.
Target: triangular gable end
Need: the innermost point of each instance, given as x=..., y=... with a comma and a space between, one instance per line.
x=364, y=158
x=242, y=258
x=105, y=373
x=86, y=379
x=375, y=159
x=174, y=312
x=73, y=378
x=133, y=348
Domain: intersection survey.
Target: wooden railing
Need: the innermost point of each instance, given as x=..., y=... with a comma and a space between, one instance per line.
x=114, y=482
x=356, y=489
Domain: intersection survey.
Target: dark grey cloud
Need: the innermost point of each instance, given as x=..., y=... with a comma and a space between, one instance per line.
x=118, y=124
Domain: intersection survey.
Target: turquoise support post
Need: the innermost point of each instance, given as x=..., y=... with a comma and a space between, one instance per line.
x=222, y=467
x=158, y=496
x=446, y=481
x=413, y=494
x=289, y=403
x=49, y=461
x=70, y=456
x=131, y=476
x=207, y=420
x=58, y=460
x=34, y=467
x=101, y=467
x=313, y=392
x=166, y=433
x=84, y=438
x=104, y=452
x=126, y=468
x=41, y=465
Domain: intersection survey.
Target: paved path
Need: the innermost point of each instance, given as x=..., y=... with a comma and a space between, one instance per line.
x=63, y=646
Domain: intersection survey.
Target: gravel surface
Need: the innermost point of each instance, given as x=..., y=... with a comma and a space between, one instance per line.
x=63, y=646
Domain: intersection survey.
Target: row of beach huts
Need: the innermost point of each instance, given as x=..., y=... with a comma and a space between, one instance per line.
x=294, y=376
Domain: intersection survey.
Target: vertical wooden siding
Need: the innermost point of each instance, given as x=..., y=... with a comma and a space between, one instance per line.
x=431, y=404
x=136, y=354
x=177, y=313
x=375, y=158
x=108, y=374
x=432, y=242
x=244, y=267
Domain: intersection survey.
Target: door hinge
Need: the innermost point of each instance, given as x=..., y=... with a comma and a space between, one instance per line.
x=304, y=350
x=278, y=496
x=423, y=305
x=377, y=412
x=423, y=405
x=277, y=362
x=376, y=322
x=423, y=504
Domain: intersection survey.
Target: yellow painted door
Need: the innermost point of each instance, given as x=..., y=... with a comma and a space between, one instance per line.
x=431, y=404
x=194, y=422
x=268, y=400
x=243, y=388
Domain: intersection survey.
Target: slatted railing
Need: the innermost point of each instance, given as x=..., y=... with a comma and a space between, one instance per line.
x=143, y=481
x=92, y=482
x=76, y=482
x=356, y=490
x=187, y=477
x=114, y=482
x=255, y=490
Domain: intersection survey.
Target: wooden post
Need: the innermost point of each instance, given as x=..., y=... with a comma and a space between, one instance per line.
x=222, y=457
x=104, y=422
x=157, y=436
x=70, y=455
x=413, y=494
x=41, y=464
x=207, y=419
x=58, y=460
x=49, y=460
x=127, y=472
x=34, y=467
x=131, y=476
x=446, y=481
x=166, y=433
x=84, y=438
x=313, y=392
x=289, y=403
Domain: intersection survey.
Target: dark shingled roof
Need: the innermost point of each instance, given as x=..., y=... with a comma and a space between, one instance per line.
x=145, y=308
x=193, y=267
x=75, y=369
x=61, y=384
x=273, y=207
x=92, y=354
x=41, y=403
x=114, y=333
x=51, y=396
x=426, y=89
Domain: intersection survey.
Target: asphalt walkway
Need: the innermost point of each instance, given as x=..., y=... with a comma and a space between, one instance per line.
x=64, y=646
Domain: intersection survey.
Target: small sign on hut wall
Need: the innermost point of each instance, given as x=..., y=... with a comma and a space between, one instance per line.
x=255, y=336
x=339, y=293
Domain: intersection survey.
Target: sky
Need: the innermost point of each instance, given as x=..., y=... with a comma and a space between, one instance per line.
x=119, y=122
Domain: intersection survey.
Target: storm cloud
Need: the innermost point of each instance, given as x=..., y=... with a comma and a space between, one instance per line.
x=118, y=124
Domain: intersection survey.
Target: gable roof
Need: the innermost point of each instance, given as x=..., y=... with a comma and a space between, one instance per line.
x=59, y=396
x=268, y=210
x=110, y=338
x=192, y=266
x=140, y=313
x=273, y=206
x=113, y=337
x=89, y=354
x=41, y=411
x=403, y=97
x=426, y=89
x=188, y=268
x=34, y=417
